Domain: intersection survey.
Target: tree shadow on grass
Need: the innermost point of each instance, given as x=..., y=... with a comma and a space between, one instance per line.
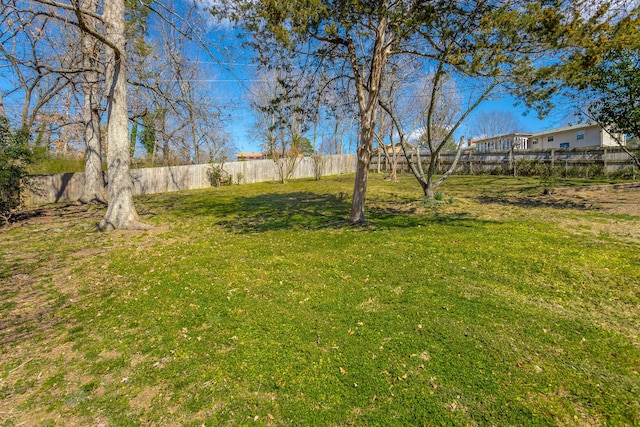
x=403, y=218
x=58, y=213
x=295, y=211
x=313, y=211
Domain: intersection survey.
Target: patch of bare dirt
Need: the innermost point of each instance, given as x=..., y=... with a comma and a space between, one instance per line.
x=47, y=255
x=623, y=199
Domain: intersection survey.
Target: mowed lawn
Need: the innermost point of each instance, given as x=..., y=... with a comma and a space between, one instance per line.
x=260, y=305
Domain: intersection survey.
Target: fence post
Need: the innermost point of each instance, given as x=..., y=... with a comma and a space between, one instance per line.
x=553, y=157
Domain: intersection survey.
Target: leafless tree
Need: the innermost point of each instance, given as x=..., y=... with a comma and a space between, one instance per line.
x=442, y=113
x=487, y=124
x=280, y=118
x=35, y=61
x=101, y=27
x=173, y=97
x=94, y=185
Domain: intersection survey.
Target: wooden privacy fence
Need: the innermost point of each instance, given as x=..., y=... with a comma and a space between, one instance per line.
x=66, y=187
x=612, y=159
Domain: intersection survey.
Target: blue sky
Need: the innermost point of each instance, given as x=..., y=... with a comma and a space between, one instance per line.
x=235, y=74
x=239, y=121
x=230, y=72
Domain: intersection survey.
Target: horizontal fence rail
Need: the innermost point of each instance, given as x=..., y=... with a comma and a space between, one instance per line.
x=66, y=187
x=612, y=159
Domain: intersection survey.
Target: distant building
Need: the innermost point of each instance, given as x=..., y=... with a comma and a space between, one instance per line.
x=577, y=136
x=515, y=141
x=244, y=156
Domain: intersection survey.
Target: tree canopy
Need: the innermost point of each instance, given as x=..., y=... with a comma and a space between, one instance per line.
x=615, y=87
x=520, y=46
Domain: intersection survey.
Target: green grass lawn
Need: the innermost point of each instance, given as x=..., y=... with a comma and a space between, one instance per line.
x=259, y=305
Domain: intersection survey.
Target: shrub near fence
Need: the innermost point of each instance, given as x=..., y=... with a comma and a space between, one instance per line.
x=67, y=187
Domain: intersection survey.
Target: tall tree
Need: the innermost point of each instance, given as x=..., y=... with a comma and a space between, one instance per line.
x=601, y=72
x=616, y=86
x=277, y=100
x=170, y=86
x=94, y=185
x=121, y=212
x=614, y=94
x=476, y=39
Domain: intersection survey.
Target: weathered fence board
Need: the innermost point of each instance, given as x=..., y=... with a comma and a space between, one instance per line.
x=68, y=186
x=613, y=159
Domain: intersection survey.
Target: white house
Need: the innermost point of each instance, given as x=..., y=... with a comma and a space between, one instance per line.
x=516, y=141
x=577, y=136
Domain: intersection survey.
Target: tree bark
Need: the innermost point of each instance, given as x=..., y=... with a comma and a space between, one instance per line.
x=94, y=185
x=121, y=212
x=429, y=187
x=368, y=100
x=357, y=215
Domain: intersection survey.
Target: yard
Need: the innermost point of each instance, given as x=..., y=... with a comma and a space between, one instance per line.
x=259, y=305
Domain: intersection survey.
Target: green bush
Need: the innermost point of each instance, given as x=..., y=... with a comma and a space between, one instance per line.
x=549, y=179
x=531, y=167
x=219, y=177
x=46, y=164
x=628, y=172
x=15, y=156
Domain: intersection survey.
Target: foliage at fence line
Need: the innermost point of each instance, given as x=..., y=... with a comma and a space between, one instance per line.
x=576, y=163
x=15, y=156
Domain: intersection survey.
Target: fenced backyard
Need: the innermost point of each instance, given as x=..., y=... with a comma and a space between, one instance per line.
x=68, y=186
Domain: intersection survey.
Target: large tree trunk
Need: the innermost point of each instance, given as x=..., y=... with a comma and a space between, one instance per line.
x=357, y=215
x=121, y=212
x=368, y=99
x=94, y=186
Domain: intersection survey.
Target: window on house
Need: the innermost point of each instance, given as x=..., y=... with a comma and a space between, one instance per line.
x=550, y=138
x=535, y=141
x=580, y=135
x=564, y=145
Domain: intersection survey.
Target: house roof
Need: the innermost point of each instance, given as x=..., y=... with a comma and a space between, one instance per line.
x=249, y=154
x=567, y=128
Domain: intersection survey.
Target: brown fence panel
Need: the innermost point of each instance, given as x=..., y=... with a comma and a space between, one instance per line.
x=613, y=159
